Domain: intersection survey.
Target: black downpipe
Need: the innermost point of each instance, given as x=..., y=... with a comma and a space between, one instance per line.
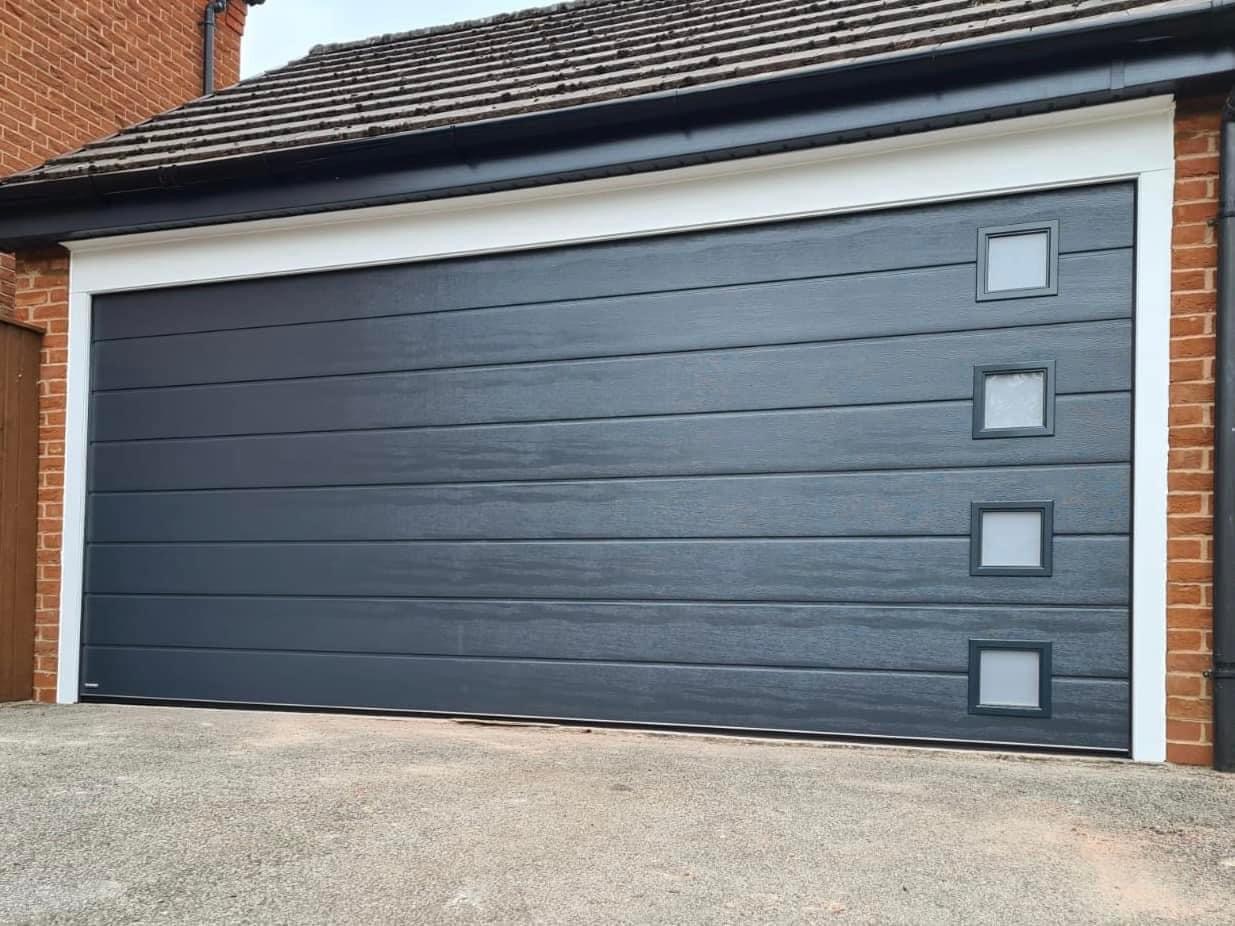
x=1224, y=456
x=210, y=25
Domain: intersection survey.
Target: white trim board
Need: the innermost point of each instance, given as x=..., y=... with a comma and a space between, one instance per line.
x=1121, y=141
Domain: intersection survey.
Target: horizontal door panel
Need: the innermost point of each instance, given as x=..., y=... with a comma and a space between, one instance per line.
x=1092, y=218
x=1092, y=357
x=1089, y=429
x=1087, y=570
x=1087, y=712
x=1092, y=287
x=1090, y=500
x=1087, y=641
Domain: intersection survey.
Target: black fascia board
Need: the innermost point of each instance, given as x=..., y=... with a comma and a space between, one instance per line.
x=650, y=132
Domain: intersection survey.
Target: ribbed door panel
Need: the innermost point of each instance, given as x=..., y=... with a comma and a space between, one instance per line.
x=717, y=479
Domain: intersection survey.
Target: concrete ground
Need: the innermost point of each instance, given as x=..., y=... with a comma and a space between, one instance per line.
x=165, y=815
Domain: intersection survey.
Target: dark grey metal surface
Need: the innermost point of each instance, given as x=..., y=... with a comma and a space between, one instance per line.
x=921, y=638
x=1089, y=713
x=828, y=253
x=1092, y=571
x=1224, y=457
x=931, y=367
x=1090, y=499
x=1089, y=429
x=719, y=479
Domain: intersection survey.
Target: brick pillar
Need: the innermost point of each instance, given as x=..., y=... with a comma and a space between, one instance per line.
x=42, y=297
x=1190, y=481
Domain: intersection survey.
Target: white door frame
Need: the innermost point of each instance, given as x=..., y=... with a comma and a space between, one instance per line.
x=1121, y=141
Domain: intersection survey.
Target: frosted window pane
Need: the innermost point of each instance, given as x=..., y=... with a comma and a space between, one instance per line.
x=1015, y=400
x=1009, y=678
x=1017, y=262
x=1012, y=538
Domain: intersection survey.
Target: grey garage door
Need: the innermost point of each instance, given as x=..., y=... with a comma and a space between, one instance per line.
x=865, y=474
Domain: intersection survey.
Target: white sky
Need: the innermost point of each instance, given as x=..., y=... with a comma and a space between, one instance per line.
x=280, y=30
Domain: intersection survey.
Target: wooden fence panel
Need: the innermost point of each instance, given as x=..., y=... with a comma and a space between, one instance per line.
x=19, y=444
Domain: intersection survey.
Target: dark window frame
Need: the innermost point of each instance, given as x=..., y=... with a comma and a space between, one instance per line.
x=1046, y=555
x=1007, y=231
x=1044, y=650
x=982, y=371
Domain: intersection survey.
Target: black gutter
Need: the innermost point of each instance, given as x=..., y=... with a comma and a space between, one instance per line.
x=1049, y=70
x=1224, y=457
x=488, y=157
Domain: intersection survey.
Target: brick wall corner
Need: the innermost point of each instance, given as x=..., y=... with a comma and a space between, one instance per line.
x=41, y=297
x=1190, y=479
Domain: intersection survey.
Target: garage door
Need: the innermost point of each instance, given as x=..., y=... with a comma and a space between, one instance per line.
x=865, y=474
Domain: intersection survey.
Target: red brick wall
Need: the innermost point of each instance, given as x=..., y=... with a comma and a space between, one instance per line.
x=75, y=70
x=1190, y=504
x=42, y=280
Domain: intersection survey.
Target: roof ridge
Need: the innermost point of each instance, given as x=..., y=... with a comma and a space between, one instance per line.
x=460, y=26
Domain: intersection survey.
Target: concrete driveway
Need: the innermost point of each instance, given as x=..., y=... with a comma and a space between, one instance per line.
x=165, y=815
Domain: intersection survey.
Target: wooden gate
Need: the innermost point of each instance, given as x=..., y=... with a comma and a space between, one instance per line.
x=19, y=445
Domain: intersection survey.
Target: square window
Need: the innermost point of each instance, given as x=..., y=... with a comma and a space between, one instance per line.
x=1016, y=261
x=1008, y=677
x=1011, y=538
x=1014, y=400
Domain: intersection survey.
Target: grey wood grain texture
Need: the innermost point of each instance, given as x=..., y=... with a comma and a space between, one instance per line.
x=1093, y=357
x=1088, y=429
x=1093, y=287
x=1091, y=218
x=1087, y=641
x=1087, y=570
x=471, y=486
x=1089, y=499
x=1087, y=712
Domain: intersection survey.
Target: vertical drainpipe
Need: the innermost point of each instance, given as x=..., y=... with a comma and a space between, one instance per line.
x=210, y=28
x=210, y=25
x=1223, y=674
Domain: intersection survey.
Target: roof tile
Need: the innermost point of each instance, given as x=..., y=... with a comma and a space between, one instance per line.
x=556, y=57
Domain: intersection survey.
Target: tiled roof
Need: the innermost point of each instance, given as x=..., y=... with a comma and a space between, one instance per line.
x=558, y=57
